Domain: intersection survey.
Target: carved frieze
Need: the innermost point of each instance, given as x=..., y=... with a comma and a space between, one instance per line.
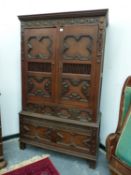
x=62, y=112
x=42, y=108
x=39, y=86
x=75, y=114
x=60, y=22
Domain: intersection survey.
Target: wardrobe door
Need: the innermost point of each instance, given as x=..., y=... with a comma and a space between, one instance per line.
x=38, y=62
x=77, y=69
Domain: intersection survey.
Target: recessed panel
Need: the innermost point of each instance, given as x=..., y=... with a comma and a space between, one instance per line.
x=39, y=67
x=75, y=89
x=77, y=47
x=77, y=68
x=39, y=86
x=39, y=47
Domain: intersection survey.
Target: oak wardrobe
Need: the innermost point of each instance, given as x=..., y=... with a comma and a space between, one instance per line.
x=62, y=62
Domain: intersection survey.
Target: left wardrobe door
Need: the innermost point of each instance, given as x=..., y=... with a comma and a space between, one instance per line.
x=38, y=65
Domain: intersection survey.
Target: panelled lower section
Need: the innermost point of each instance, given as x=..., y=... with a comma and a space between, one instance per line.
x=50, y=132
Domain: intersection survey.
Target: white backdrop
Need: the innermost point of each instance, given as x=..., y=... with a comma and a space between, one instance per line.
x=117, y=64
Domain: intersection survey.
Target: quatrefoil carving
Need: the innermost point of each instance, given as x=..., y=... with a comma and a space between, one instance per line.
x=77, y=47
x=39, y=47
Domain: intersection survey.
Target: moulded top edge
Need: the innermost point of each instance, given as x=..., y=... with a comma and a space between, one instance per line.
x=88, y=13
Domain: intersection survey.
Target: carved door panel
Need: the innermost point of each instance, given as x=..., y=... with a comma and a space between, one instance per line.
x=77, y=65
x=38, y=65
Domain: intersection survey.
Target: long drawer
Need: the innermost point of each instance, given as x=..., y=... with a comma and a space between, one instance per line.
x=74, y=139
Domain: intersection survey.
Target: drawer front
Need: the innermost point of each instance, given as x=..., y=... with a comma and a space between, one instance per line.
x=59, y=134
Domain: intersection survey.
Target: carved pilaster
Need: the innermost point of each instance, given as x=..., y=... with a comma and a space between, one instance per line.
x=100, y=40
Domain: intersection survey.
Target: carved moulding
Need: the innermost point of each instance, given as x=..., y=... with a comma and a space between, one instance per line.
x=100, y=38
x=61, y=112
x=60, y=22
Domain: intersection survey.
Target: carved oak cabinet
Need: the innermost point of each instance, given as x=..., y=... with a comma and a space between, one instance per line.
x=62, y=59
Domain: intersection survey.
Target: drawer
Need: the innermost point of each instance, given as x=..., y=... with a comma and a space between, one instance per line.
x=58, y=134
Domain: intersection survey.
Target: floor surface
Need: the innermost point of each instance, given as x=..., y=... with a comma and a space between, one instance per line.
x=65, y=164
